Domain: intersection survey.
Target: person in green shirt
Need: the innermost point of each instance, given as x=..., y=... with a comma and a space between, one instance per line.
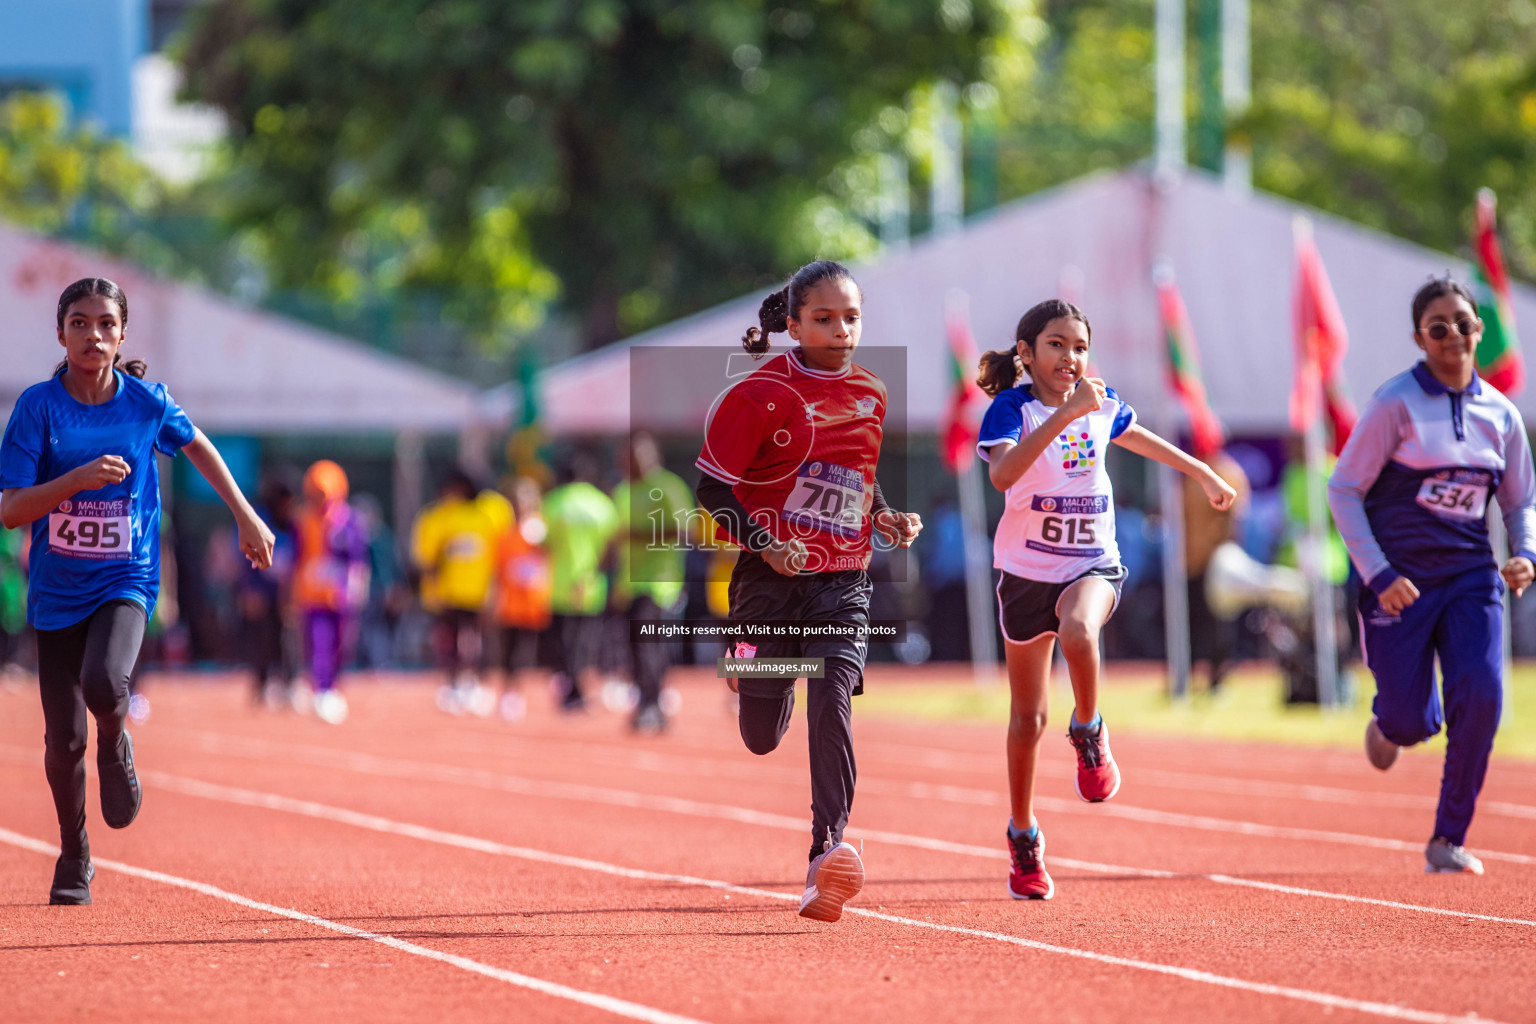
x=652, y=506
x=580, y=520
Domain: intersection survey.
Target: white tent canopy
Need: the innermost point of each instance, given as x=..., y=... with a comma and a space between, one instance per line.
x=233, y=369
x=1094, y=242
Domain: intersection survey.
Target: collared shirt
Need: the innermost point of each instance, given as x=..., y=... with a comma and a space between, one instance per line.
x=1411, y=488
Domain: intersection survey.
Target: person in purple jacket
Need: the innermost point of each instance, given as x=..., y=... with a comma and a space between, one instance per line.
x=1410, y=497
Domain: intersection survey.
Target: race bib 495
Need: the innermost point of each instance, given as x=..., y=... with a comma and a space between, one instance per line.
x=91, y=529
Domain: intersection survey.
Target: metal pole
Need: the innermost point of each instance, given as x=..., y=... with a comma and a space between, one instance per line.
x=1236, y=93
x=1170, y=489
x=1499, y=538
x=978, y=573
x=1168, y=157
x=895, y=202
x=948, y=200
x=1315, y=564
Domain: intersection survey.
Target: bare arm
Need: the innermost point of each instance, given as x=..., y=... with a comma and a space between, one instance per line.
x=255, y=538
x=1143, y=442
x=21, y=505
x=1009, y=461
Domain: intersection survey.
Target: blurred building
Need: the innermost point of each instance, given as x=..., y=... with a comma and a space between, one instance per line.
x=105, y=57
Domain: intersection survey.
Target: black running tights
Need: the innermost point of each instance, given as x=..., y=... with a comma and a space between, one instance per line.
x=765, y=716
x=84, y=667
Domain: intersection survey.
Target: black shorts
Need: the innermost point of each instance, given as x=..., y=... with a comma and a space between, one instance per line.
x=522, y=648
x=1028, y=608
x=758, y=594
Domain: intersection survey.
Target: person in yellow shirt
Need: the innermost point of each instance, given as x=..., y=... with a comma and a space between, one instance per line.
x=453, y=547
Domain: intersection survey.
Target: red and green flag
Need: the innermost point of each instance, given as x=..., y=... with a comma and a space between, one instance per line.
x=1498, y=353
x=1321, y=341
x=967, y=402
x=1205, y=431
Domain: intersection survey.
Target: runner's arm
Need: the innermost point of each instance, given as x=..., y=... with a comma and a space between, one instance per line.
x=22, y=505
x=256, y=538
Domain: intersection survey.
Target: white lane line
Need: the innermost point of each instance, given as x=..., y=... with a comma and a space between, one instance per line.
x=721, y=764
x=308, y=808
x=372, y=764
x=783, y=822
x=619, y=1007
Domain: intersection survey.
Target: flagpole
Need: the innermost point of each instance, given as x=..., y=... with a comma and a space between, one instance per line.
x=1313, y=549
x=978, y=574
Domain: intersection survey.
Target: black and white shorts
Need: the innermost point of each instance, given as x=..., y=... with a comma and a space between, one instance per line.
x=1028, y=609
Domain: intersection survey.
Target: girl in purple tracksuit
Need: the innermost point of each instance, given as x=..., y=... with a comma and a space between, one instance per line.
x=1410, y=496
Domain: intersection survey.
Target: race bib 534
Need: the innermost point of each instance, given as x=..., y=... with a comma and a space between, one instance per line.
x=1456, y=494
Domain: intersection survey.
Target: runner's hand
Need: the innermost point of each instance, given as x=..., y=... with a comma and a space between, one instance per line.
x=1398, y=596
x=103, y=472
x=1518, y=573
x=256, y=542
x=1219, y=492
x=900, y=528
x=786, y=558
x=1088, y=396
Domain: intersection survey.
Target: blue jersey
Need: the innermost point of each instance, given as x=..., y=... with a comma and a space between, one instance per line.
x=100, y=545
x=1411, y=488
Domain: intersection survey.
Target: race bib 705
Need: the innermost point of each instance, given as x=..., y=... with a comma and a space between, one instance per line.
x=827, y=497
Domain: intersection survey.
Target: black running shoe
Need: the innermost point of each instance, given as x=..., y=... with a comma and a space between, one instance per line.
x=72, y=882
x=120, y=792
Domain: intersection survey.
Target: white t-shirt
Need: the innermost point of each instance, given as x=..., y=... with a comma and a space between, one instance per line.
x=1060, y=517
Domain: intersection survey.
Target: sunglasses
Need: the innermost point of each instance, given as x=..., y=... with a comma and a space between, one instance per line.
x=1466, y=327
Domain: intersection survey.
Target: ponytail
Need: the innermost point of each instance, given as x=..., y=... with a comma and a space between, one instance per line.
x=1000, y=370
x=772, y=318
x=784, y=305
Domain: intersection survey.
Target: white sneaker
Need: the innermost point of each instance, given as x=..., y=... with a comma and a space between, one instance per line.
x=513, y=706
x=479, y=699
x=1442, y=857
x=448, y=700
x=331, y=707
x=834, y=878
x=138, y=709
x=671, y=701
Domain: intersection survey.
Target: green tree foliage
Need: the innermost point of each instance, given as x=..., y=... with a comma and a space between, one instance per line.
x=648, y=157
x=67, y=181
x=1394, y=113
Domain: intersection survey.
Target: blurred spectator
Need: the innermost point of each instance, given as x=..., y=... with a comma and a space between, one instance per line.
x=651, y=509
x=330, y=581
x=522, y=594
x=13, y=598
x=453, y=547
x=1297, y=655
x=1211, y=638
x=943, y=565
x=266, y=596
x=581, y=521
x=388, y=594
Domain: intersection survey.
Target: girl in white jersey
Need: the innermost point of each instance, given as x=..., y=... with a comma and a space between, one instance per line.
x=1044, y=439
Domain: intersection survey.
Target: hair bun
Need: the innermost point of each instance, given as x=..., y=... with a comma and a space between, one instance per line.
x=773, y=314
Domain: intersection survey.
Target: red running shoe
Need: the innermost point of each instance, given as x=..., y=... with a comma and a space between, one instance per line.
x=835, y=877
x=1028, y=880
x=1098, y=778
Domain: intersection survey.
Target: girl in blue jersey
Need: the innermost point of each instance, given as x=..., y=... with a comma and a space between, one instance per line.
x=78, y=463
x=1044, y=442
x=1410, y=497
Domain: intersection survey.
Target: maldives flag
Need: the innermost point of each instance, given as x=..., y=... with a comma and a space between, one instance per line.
x=1321, y=341
x=1498, y=353
x=967, y=402
x=1205, y=431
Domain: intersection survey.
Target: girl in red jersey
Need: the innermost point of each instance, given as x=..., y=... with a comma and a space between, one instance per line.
x=789, y=472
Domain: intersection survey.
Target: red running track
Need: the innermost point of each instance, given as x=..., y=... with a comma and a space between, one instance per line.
x=412, y=866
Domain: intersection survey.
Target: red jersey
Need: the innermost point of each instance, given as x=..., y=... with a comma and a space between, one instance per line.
x=798, y=447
